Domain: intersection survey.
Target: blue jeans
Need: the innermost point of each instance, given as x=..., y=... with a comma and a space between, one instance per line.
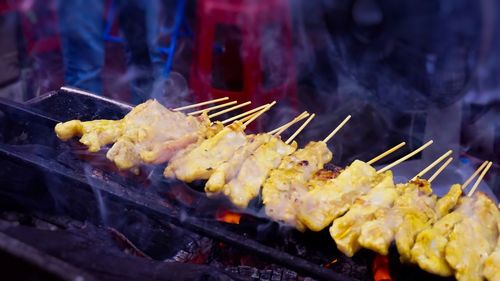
x=82, y=28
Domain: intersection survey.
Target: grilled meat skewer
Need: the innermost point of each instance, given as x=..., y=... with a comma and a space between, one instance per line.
x=414, y=202
x=491, y=269
x=200, y=162
x=288, y=183
x=246, y=184
x=327, y=199
x=149, y=133
x=473, y=239
x=346, y=229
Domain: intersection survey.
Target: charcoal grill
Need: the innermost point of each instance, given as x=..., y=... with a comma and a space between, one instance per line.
x=41, y=173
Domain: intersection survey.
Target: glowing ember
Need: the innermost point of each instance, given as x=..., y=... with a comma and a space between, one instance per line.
x=330, y=264
x=381, y=269
x=228, y=217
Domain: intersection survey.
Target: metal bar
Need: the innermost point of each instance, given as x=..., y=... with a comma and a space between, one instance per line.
x=43, y=262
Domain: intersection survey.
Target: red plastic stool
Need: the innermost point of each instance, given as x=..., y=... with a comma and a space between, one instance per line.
x=244, y=50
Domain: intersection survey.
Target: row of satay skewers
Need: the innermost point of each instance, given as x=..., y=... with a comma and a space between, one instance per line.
x=363, y=206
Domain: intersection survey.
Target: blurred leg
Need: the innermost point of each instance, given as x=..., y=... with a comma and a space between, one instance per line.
x=133, y=19
x=81, y=23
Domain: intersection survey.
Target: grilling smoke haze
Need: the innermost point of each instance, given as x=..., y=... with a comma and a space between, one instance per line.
x=396, y=67
x=390, y=65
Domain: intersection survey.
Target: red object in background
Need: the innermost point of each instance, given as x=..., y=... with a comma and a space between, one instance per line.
x=244, y=50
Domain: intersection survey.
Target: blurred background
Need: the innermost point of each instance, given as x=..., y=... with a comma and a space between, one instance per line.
x=406, y=70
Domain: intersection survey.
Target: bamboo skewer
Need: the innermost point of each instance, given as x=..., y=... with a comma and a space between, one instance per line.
x=438, y=171
x=337, y=129
x=304, y=115
x=246, y=113
x=287, y=125
x=200, y=104
x=258, y=114
x=407, y=156
x=428, y=168
x=387, y=152
x=481, y=176
x=474, y=175
x=290, y=139
x=229, y=109
x=212, y=108
x=261, y=108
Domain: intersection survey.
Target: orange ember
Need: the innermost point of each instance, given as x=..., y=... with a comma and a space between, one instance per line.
x=381, y=269
x=329, y=265
x=228, y=217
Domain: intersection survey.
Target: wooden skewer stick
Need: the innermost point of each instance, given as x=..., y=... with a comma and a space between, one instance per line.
x=481, y=176
x=386, y=153
x=301, y=116
x=290, y=139
x=440, y=169
x=304, y=115
x=287, y=125
x=258, y=114
x=337, y=129
x=474, y=175
x=428, y=168
x=229, y=109
x=246, y=113
x=407, y=156
x=261, y=108
x=212, y=108
x=200, y=104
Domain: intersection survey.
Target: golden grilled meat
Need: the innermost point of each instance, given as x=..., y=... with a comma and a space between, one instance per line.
x=413, y=208
x=449, y=201
x=473, y=239
x=417, y=216
x=346, y=229
x=94, y=134
x=421, y=217
x=288, y=183
x=247, y=183
x=430, y=244
x=229, y=169
x=328, y=199
x=491, y=268
x=201, y=161
x=150, y=133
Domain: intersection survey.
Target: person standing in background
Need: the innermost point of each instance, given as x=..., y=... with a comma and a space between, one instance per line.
x=82, y=26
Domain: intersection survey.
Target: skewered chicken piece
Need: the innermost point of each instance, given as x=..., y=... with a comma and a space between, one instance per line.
x=241, y=177
x=415, y=203
x=150, y=133
x=491, y=269
x=246, y=184
x=429, y=248
x=229, y=169
x=473, y=239
x=346, y=229
x=286, y=184
x=416, y=220
x=200, y=162
x=329, y=199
